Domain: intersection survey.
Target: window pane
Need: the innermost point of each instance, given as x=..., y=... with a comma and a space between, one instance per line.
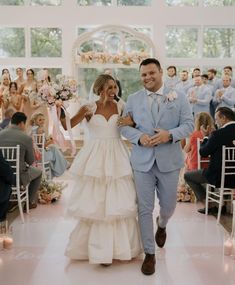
x=51, y=71
x=219, y=2
x=182, y=2
x=134, y=2
x=12, y=42
x=141, y=29
x=94, y=2
x=45, y=2
x=218, y=42
x=46, y=42
x=11, y=2
x=181, y=42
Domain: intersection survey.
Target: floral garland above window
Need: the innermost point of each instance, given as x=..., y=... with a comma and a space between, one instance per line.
x=112, y=45
x=123, y=58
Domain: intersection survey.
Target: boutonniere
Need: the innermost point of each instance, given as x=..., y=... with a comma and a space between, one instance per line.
x=170, y=97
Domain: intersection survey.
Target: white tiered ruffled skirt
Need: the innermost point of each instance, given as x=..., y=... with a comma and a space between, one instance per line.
x=104, y=202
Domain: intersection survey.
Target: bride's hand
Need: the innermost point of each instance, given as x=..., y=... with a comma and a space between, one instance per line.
x=126, y=121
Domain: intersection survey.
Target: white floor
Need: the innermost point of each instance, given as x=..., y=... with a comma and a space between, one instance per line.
x=193, y=254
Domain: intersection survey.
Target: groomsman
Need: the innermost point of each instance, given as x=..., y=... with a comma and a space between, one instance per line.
x=225, y=97
x=172, y=78
x=215, y=84
x=212, y=79
x=184, y=84
x=228, y=70
x=199, y=96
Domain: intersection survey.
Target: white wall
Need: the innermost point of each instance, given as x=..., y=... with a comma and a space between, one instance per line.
x=69, y=16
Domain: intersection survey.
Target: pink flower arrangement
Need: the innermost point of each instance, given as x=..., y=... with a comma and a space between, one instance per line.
x=64, y=89
x=104, y=57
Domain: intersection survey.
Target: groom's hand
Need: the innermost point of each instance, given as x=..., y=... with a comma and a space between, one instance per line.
x=145, y=140
x=161, y=136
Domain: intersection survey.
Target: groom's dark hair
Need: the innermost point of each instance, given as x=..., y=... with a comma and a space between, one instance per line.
x=151, y=60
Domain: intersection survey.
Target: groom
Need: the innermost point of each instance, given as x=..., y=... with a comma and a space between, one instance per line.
x=162, y=118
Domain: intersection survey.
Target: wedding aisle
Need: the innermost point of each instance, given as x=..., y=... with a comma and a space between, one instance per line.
x=193, y=253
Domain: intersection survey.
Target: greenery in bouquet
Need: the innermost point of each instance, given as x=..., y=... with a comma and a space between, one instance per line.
x=50, y=191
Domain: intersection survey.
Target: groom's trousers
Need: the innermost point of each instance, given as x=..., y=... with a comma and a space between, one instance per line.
x=165, y=186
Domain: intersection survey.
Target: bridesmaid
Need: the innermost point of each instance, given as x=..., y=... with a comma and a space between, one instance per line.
x=20, y=80
x=13, y=99
x=4, y=87
x=28, y=90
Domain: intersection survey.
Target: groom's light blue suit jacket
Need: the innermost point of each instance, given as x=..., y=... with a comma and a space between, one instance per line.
x=174, y=116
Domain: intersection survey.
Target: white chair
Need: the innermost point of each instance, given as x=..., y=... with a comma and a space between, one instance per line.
x=200, y=160
x=19, y=193
x=233, y=223
x=39, y=140
x=217, y=194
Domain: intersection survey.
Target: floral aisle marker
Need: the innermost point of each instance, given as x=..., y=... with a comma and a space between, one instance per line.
x=50, y=191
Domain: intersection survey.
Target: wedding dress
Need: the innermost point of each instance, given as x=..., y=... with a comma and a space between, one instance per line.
x=104, y=198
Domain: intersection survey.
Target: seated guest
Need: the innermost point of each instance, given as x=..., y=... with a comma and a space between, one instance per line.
x=212, y=145
x=13, y=136
x=58, y=163
x=203, y=119
x=184, y=193
x=7, y=118
x=6, y=179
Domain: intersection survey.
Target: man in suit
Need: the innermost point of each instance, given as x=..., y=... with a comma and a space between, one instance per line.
x=15, y=135
x=7, y=118
x=225, y=97
x=6, y=179
x=212, y=146
x=199, y=96
x=162, y=118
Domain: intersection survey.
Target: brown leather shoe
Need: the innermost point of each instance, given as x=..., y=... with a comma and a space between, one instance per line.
x=148, y=266
x=160, y=236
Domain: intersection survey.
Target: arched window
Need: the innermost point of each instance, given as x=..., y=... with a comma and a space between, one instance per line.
x=115, y=47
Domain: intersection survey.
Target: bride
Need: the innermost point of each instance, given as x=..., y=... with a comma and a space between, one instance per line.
x=104, y=198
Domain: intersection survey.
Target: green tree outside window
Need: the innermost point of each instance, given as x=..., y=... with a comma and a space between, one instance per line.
x=46, y=42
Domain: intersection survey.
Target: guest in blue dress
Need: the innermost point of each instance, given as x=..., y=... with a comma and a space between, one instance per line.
x=58, y=163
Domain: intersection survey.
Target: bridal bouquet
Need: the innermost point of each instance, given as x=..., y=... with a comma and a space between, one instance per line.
x=56, y=95
x=64, y=89
x=47, y=94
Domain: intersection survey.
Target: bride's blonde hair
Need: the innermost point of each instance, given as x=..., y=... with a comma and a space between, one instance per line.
x=100, y=82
